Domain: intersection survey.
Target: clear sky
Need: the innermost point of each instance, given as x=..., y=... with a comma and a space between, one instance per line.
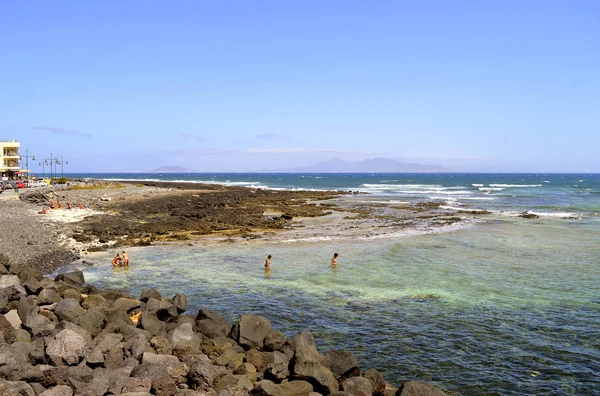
x=251, y=85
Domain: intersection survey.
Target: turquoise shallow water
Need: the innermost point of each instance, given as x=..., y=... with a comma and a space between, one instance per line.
x=499, y=308
x=507, y=306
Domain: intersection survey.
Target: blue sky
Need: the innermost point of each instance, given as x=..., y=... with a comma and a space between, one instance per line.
x=251, y=85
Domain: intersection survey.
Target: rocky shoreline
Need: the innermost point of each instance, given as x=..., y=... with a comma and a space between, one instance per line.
x=63, y=337
x=142, y=214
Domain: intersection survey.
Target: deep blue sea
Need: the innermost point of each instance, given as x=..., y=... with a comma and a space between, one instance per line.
x=500, y=306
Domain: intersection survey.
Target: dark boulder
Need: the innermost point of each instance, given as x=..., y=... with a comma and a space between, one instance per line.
x=68, y=309
x=274, y=340
x=418, y=388
x=148, y=294
x=210, y=329
x=250, y=331
x=358, y=386
x=308, y=366
x=305, y=337
x=342, y=364
x=180, y=302
x=377, y=381
x=73, y=278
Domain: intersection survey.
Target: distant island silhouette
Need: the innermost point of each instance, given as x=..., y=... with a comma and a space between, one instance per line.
x=377, y=165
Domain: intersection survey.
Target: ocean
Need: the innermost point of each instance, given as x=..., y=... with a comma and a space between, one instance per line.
x=501, y=305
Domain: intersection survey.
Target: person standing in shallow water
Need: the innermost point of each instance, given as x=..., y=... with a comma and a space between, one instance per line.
x=116, y=262
x=334, y=260
x=268, y=266
x=125, y=259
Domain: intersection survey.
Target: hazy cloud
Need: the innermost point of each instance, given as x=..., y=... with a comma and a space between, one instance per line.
x=305, y=151
x=272, y=136
x=62, y=131
x=193, y=137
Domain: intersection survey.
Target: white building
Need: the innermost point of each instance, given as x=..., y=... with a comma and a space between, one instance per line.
x=10, y=158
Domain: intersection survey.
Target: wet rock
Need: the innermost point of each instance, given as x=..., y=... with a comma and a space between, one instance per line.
x=418, y=388
x=527, y=215
x=67, y=346
x=250, y=331
x=342, y=364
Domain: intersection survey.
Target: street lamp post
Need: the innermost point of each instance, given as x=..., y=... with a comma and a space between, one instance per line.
x=50, y=161
x=62, y=162
x=27, y=156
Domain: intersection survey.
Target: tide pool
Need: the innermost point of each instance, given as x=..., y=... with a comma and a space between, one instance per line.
x=508, y=306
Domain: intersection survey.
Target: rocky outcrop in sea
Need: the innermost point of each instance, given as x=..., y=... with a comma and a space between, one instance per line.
x=62, y=337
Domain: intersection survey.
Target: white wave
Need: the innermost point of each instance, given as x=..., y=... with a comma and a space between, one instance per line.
x=555, y=214
x=515, y=185
x=488, y=189
x=546, y=181
x=477, y=185
x=126, y=179
x=443, y=198
x=404, y=186
x=480, y=198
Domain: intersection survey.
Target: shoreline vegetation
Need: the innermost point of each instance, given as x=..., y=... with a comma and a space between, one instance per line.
x=97, y=342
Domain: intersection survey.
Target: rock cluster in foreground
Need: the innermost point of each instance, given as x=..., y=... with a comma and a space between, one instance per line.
x=61, y=337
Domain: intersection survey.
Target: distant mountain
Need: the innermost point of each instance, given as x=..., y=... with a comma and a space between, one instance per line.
x=171, y=169
x=377, y=165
